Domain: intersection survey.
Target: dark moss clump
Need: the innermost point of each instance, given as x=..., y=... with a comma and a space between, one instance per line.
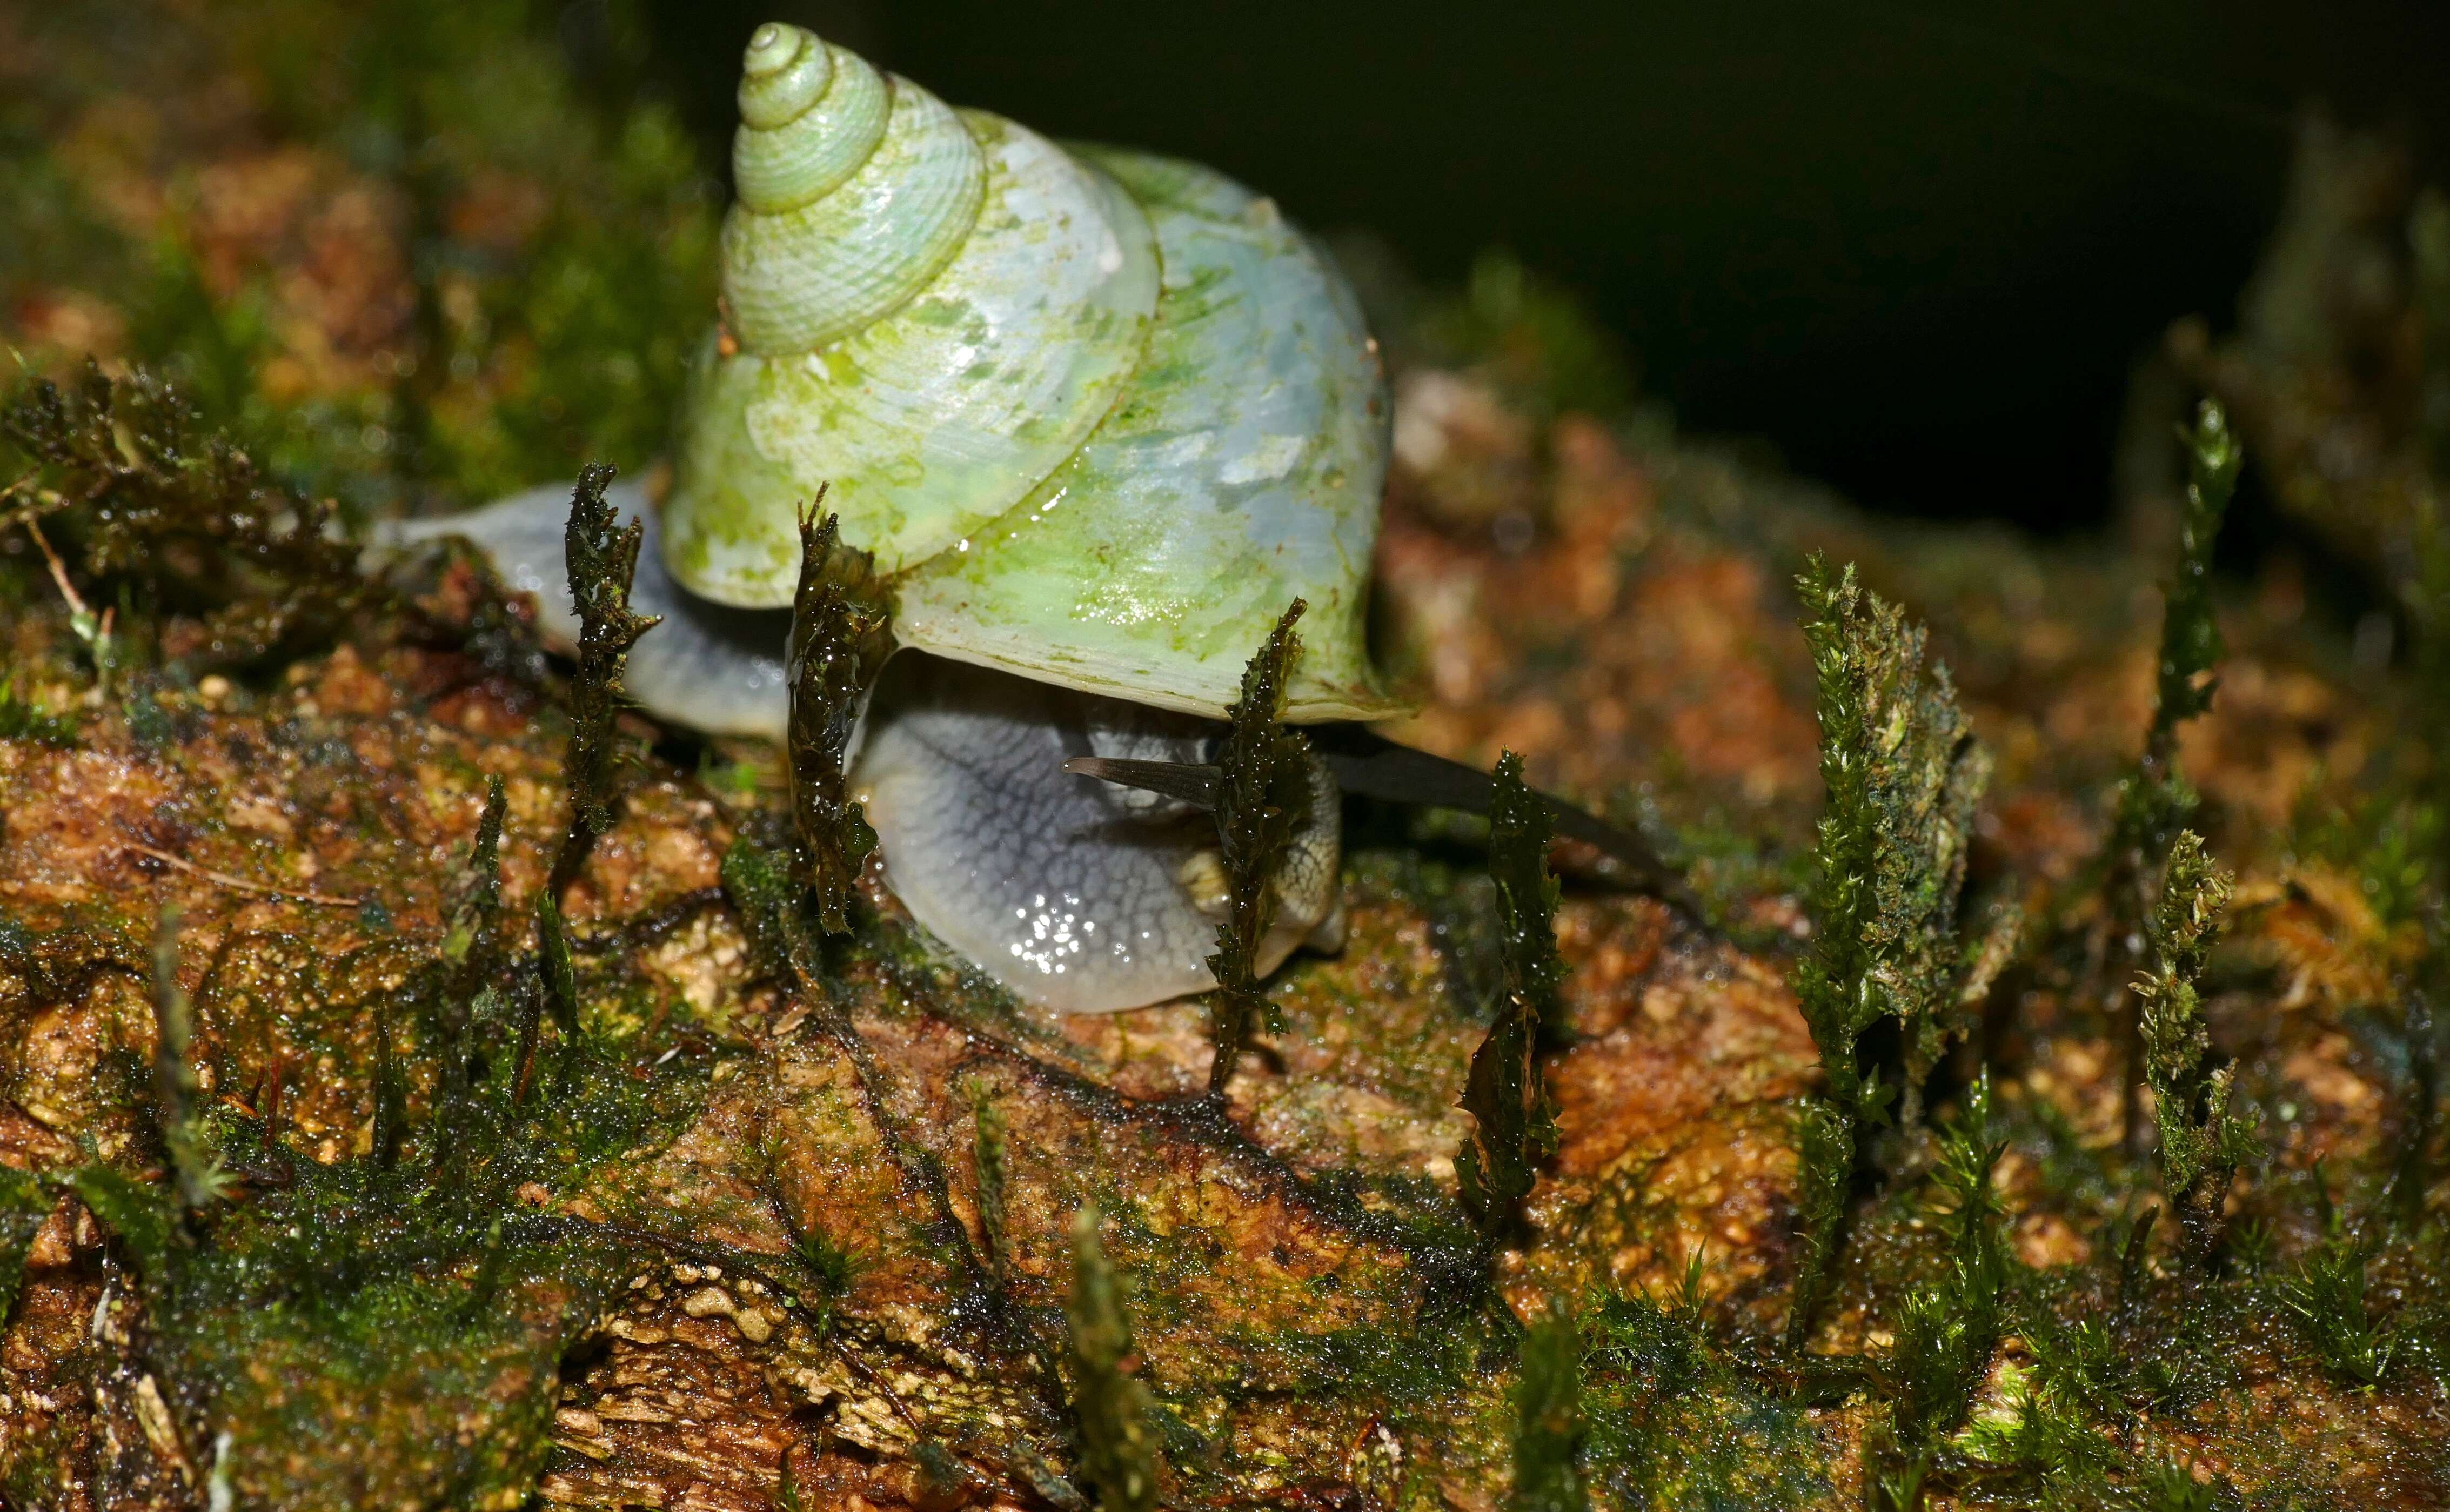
x=603, y=561
x=422, y=1290
x=24, y=1205
x=123, y=476
x=22, y=719
x=1947, y=1332
x=1550, y=1428
x=2327, y=1300
x=1676, y=1419
x=1506, y=1094
x=839, y=640
x=1262, y=797
x=419, y=1300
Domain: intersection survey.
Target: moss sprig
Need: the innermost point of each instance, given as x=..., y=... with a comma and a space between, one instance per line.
x=2202, y=1139
x=1947, y=1334
x=2155, y=800
x=2424, y=590
x=1263, y=797
x=1549, y=1426
x=1514, y=1126
x=987, y=1156
x=23, y=1203
x=1111, y=1406
x=554, y=964
x=196, y=1175
x=472, y=947
x=1824, y=1180
x=839, y=640
x=1903, y=775
x=2326, y=1301
x=602, y=557
x=124, y=471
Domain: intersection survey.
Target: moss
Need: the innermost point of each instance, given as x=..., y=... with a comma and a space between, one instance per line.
x=24, y=1205
x=1675, y=1421
x=1111, y=1408
x=1263, y=795
x=988, y=1162
x=197, y=1177
x=537, y=270
x=24, y=719
x=603, y=559
x=1825, y=1158
x=1549, y=1428
x=124, y=472
x=427, y=1276
x=838, y=644
x=1534, y=338
x=2155, y=800
x=420, y=1301
x=1903, y=775
x=1947, y=1334
x=2203, y=1140
x=1506, y=1094
x=2327, y=1299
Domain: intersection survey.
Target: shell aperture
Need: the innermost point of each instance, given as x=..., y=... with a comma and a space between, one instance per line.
x=1130, y=418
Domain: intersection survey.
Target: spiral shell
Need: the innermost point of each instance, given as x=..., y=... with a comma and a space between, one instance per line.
x=1099, y=416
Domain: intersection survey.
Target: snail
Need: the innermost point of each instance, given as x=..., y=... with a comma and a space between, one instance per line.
x=1097, y=417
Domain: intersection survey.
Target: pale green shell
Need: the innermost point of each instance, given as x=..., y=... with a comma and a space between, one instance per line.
x=1100, y=436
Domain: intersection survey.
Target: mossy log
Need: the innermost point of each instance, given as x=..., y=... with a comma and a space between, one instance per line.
x=752, y=1236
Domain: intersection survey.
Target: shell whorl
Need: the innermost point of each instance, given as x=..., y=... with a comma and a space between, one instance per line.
x=855, y=191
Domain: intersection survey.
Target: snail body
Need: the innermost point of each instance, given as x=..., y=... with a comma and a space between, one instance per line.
x=1097, y=417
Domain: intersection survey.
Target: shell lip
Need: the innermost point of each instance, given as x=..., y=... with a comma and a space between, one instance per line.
x=1305, y=703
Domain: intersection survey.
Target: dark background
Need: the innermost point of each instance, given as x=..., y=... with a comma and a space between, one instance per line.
x=1916, y=245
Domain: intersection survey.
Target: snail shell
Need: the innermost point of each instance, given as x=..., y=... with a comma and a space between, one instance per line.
x=1099, y=416
x=1103, y=415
